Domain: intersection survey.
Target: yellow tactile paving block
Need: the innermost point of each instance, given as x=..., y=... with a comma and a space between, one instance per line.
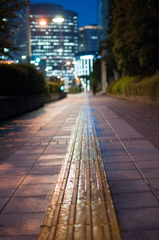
x=81, y=207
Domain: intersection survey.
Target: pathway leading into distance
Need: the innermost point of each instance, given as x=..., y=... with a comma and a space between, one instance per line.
x=58, y=164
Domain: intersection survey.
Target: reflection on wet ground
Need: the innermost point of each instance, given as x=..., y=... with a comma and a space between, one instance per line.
x=81, y=206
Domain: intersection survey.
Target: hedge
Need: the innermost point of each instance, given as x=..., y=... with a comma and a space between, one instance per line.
x=132, y=86
x=53, y=87
x=21, y=79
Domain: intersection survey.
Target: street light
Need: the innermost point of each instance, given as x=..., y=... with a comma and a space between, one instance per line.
x=27, y=4
x=60, y=20
x=42, y=22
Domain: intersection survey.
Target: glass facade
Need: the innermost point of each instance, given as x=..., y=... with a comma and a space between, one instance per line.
x=53, y=42
x=103, y=7
x=88, y=38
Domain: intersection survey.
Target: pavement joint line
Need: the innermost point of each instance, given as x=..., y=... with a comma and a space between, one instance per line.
x=146, y=181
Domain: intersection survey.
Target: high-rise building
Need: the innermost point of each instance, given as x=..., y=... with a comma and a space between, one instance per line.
x=88, y=38
x=54, y=38
x=19, y=38
x=103, y=7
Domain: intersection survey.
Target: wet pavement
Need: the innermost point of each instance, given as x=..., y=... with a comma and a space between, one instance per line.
x=59, y=162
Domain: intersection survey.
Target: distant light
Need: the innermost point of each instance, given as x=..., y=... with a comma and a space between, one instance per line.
x=23, y=57
x=36, y=64
x=42, y=23
x=58, y=77
x=38, y=60
x=6, y=50
x=60, y=50
x=32, y=62
x=68, y=62
x=99, y=57
x=62, y=88
x=87, y=57
x=58, y=19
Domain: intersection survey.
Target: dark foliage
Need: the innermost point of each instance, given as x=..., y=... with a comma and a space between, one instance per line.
x=134, y=36
x=8, y=23
x=20, y=79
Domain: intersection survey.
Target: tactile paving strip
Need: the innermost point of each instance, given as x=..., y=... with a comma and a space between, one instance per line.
x=81, y=206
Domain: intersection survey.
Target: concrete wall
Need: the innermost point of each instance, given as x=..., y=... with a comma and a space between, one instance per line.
x=12, y=106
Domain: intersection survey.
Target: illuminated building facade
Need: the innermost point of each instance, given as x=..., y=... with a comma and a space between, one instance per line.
x=103, y=7
x=51, y=41
x=88, y=38
x=83, y=66
x=19, y=38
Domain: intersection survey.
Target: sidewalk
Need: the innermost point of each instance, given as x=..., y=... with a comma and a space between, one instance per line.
x=51, y=168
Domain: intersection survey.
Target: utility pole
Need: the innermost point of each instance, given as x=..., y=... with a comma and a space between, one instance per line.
x=28, y=30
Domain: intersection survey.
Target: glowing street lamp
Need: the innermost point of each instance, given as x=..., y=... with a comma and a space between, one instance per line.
x=58, y=19
x=68, y=62
x=42, y=22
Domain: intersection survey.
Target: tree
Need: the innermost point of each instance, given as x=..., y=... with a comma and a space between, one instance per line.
x=95, y=76
x=8, y=24
x=134, y=36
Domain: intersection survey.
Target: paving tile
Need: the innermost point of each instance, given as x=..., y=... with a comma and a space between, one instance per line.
x=148, y=164
x=113, y=153
x=138, y=219
x=27, y=205
x=8, y=184
x=21, y=224
x=52, y=156
x=123, y=175
x=16, y=164
x=23, y=157
x=143, y=157
x=128, y=186
x=14, y=171
x=39, y=179
x=2, y=202
x=44, y=162
x=50, y=150
x=48, y=169
x=151, y=173
x=141, y=235
x=154, y=183
x=117, y=159
x=35, y=237
x=134, y=200
x=35, y=190
x=28, y=152
x=119, y=166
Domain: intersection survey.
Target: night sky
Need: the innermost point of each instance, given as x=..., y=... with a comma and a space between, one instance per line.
x=86, y=9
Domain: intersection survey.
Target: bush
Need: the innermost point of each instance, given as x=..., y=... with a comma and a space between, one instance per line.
x=118, y=87
x=147, y=87
x=21, y=79
x=77, y=89
x=53, y=87
x=132, y=86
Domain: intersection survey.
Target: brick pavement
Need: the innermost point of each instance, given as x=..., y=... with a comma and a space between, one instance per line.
x=131, y=163
x=32, y=151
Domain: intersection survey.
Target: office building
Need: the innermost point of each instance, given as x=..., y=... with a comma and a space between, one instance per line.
x=88, y=38
x=19, y=38
x=53, y=41
x=103, y=7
